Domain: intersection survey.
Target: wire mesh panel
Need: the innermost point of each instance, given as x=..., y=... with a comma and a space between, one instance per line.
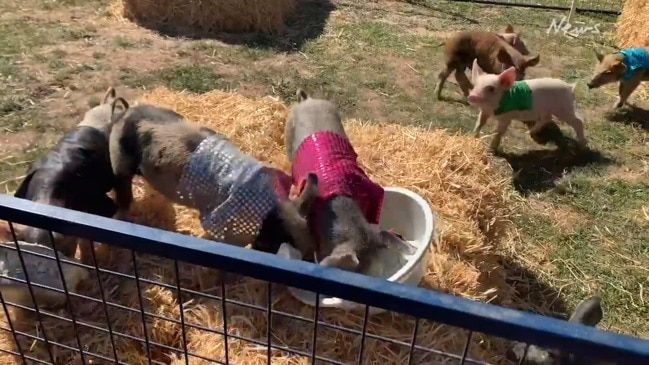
x=608, y=6
x=156, y=297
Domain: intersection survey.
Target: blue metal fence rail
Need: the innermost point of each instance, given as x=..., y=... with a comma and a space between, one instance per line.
x=417, y=302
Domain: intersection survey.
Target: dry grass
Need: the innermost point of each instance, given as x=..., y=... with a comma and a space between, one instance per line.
x=632, y=28
x=451, y=172
x=212, y=15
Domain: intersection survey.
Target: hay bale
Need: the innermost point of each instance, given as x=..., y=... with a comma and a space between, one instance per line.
x=451, y=172
x=266, y=16
x=632, y=27
x=632, y=30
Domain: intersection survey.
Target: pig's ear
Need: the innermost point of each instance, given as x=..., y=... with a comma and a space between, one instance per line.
x=110, y=95
x=509, y=29
x=306, y=196
x=476, y=71
x=390, y=240
x=301, y=95
x=588, y=312
x=118, y=108
x=599, y=55
x=514, y=39
x=507, y=78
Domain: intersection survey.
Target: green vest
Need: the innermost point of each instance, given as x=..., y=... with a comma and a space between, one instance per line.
x=518, y=97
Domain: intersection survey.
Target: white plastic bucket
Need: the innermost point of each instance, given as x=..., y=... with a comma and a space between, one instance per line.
x=408, y=214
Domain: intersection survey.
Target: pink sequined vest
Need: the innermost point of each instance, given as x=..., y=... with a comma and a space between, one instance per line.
x=333, y=159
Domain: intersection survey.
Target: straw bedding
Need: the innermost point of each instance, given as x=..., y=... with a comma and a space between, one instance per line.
x=451, y=172
x=632, y=28
x=212, y=15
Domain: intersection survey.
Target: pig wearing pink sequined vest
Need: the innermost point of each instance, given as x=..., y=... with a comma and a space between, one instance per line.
x=332, y=157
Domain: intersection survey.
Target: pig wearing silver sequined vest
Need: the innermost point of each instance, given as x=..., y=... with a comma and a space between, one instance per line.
x=232, y=191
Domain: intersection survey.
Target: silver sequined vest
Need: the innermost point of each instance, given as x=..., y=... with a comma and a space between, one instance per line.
x=232, y=191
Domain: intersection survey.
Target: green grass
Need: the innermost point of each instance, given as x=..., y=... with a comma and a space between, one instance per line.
x=194, y=78
x=12, y=5
x=24, y=37
x=380, y=62
x=125, y=42
x=25, y=34
x=607, y=249
x=16, y=165
x=16, y=110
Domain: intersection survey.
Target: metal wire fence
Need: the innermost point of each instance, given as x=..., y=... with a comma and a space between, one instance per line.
x=605, y=6
x=71, y=335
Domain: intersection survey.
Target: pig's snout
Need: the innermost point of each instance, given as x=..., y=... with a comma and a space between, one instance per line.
x=593, y=83
x=472, y=98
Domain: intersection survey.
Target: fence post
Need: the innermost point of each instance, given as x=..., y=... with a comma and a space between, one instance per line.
x=572, y=10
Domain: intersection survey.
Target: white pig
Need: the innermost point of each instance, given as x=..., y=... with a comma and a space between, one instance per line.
x=504, y=98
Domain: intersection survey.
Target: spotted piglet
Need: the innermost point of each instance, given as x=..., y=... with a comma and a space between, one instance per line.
x=505, y=99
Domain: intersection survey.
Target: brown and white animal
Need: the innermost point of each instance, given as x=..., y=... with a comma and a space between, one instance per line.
x=514, y=39
x=493, y=52
x=76, y=174
x=240, y=201
x=345, y=214
x=629, y=67
x=505, y=99
x=588, y=312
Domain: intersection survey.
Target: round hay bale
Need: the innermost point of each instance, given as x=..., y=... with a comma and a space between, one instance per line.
x=632, y=27
x=450, y=171
x=632, y=30
x=266, y=16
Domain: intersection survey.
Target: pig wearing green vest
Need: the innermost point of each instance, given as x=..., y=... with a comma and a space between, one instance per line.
x=505, y=99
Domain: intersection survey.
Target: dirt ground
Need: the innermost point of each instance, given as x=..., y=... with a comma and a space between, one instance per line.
x=583, y=220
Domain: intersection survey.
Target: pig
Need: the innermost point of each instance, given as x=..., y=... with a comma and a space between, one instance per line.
x=502, y=97
x=345, y=213
x=240, y=200
x=493, y=52
x=629, y=67
x=75, y=174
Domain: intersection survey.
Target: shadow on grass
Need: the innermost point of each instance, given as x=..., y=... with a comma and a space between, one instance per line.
x=532, y=295
x=531, y=292
x=308, y=22
x=539, y=170
x=528, y=294
x=631, y=115
x=551, y=133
